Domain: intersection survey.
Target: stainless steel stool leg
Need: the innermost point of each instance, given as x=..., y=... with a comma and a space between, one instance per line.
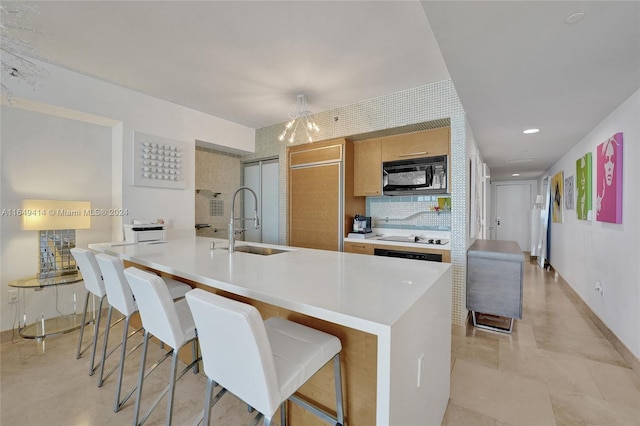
x=283, y=414
x=136, y=411
x=207, y=403
x=104, y=347
x=172, y=386
x=92, y=366
x=337, y=375
x=84, y=321
x=123, y=356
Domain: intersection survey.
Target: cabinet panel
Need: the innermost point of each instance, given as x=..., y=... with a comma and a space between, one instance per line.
x=367, y=168
x=315, y=207
x=360, y=248
x=315, y=155
x=425, y=143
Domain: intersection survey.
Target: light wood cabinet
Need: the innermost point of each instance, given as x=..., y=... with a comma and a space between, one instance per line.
x=321, y=204
x=360, y=248
x=367, y=168
x=302, y=155
x=425, y=143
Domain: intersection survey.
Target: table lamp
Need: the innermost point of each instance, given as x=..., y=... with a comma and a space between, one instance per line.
x=57, y=221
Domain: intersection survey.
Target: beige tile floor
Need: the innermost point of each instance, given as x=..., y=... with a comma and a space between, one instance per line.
x=55, y=389
x=555, y=369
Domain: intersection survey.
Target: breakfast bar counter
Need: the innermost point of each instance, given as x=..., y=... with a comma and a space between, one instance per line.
x=392, y=315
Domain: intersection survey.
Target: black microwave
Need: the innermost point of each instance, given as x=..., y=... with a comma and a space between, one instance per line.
x=419, y=176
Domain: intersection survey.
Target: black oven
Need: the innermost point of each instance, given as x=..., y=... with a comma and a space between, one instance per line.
x=419, y=176
x=408, y=255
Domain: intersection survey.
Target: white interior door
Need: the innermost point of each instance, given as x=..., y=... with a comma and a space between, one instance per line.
x=262, y=177
x=270, y=202
x=513, y=207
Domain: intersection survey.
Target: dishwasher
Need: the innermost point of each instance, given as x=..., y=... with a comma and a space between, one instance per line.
x=433, y=257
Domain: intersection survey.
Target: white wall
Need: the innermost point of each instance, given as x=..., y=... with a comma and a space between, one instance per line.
x=62, y=93
x=587, y=251
x=138, y=112
x=47, y=157
x=474, y=187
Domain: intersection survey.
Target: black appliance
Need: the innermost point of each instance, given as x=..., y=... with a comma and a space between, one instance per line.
x=408, y=255
x=419, y=176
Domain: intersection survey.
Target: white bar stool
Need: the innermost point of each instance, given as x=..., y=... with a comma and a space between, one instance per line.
x=171, y=322
x=121, y=298
x=86, y=261
x=262, y=363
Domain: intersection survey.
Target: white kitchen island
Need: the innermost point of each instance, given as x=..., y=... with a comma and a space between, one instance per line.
x=393, y=315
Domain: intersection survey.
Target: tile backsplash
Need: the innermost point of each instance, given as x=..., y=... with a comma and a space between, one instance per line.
x=409, y=212
x=218, y=175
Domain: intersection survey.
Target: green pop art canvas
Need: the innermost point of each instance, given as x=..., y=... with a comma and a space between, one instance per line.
x=583, y=186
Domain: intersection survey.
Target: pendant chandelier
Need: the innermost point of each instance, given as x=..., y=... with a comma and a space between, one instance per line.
x=301, y=115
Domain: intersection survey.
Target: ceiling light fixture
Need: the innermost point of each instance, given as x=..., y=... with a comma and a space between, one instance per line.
x=301, y=114
x=530, y=131
x=515, y=174
x=573, y=18
x=519, y=160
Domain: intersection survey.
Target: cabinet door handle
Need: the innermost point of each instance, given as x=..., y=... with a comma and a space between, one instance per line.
x=413, y=153
x=372, y=192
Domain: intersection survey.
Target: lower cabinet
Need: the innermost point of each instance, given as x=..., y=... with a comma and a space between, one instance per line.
x=360, y=248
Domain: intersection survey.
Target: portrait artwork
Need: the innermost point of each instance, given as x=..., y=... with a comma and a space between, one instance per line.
x=583, y=187
x=609, y=180
x=568, y=193
x=557, y=193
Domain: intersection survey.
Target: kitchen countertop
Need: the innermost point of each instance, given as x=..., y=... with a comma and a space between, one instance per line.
x=362, y=292
x=384, y=232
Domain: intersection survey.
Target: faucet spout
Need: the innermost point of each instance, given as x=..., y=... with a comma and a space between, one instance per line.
x=256, y=219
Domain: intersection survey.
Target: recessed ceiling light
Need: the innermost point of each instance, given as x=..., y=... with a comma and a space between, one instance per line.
x=573, y=18
x=529, y=131
x=515, y=174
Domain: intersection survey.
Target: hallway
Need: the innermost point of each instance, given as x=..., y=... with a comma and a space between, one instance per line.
x=556, y=368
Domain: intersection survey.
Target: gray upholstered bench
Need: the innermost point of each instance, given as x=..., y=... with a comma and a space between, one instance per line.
x=494, y=281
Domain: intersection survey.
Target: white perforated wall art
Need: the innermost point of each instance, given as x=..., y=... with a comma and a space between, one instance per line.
x=158, y=162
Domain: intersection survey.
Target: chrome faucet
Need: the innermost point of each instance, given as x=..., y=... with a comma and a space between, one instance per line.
x=232, y=227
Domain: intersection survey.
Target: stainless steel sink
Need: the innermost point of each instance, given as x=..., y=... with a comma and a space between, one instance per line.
x=263, y=251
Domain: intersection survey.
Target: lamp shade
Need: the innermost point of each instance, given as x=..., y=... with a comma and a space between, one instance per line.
x=38, y=215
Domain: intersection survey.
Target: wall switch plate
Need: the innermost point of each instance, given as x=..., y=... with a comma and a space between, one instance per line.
x=13, y=296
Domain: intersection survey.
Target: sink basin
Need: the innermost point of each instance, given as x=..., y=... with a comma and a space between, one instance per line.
x=264, y=251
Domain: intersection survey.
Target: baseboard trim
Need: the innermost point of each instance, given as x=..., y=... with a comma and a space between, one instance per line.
x=9, y=335
x=580, y=304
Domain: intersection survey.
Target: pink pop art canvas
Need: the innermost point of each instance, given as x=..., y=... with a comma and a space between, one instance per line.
x=609, y=184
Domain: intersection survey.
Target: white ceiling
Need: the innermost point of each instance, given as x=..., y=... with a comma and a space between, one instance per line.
x=514, y=64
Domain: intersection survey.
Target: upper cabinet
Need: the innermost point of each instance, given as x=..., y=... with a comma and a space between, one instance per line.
x=426, y=143
x=367, y=167
x=371, y=153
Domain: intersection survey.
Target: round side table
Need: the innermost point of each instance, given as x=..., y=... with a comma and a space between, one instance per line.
x=41, y=327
